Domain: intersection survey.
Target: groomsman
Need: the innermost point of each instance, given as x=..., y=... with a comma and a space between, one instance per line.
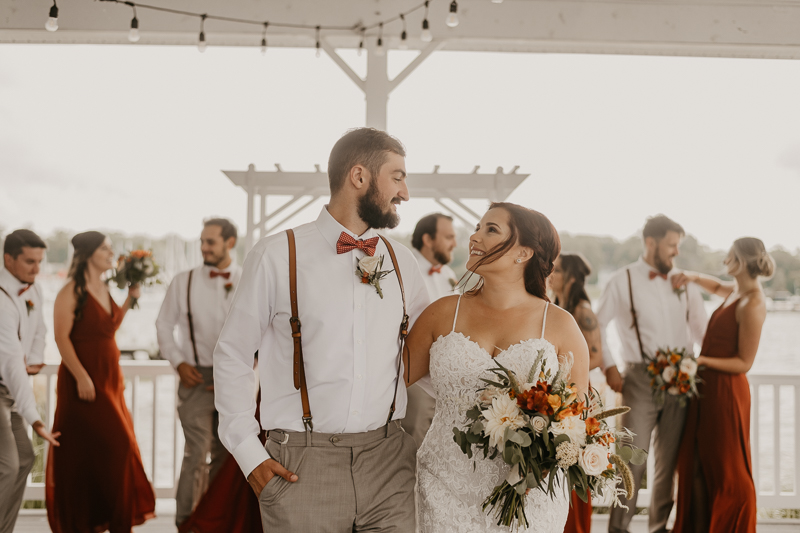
x=22, y=332
x=649, y=314
x=196, y=304
x=327, y=319
x=434, y=239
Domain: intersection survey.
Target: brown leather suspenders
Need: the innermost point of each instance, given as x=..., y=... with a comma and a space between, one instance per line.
x=635, y=324
x=189, y=314
x=19, y=324
x=294, y=321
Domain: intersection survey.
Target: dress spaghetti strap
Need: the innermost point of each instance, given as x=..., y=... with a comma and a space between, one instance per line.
x=458, y=303
x=544, y=318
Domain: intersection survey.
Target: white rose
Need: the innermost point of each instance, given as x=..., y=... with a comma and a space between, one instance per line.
x=689, y=366
x=573, y=427
x=594, y=459
x=149, y=269
x=539, y=424
x=369, y=264
x=668, y=374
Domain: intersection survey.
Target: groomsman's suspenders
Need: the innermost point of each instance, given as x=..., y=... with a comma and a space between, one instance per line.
x=189, y=314
x=299, y=366
x=635, y=324
x=19, y=324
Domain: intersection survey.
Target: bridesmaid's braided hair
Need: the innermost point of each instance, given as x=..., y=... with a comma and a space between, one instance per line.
x=531, y=229
x=84, y=245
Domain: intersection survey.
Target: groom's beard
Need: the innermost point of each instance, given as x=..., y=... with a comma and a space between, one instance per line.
x=369, y=209
x=661, y=265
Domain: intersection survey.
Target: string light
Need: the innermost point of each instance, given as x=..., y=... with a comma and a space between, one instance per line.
x=361, y=44
x=426, y=36
x=133, y=35
x=201, y=43
x=318, y=52
x=452, y=17
x=380, y=50
x=52, y=20
x=404, y=35
x=264, y=39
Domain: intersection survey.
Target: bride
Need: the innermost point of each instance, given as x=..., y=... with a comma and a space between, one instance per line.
x=506, y=317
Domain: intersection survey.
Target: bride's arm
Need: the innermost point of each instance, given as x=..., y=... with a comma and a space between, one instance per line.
x=425, y=331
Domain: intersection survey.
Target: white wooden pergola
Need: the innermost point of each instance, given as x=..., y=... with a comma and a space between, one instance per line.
x=304, y=188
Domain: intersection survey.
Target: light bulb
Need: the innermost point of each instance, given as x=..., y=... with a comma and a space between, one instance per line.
x=360, y=48
x=201, y=45
x=52, y=21
x=318, y=54
x=404, y=41
x=380, y=51
x=426, y=35
x=263, y=47
x=451, y=20
x=452, y=17
x=133, y=35
x=497, y=1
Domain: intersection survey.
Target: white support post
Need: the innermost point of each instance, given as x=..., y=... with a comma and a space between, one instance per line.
x=377, y=88
x=262, y=219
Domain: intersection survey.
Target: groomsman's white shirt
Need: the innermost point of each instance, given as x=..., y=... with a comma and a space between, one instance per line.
x=350, y=340
x=14, y=352
x=661, y=313
x=210, y=305
x=439, y=285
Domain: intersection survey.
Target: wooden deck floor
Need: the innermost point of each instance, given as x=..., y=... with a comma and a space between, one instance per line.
x=36, y=522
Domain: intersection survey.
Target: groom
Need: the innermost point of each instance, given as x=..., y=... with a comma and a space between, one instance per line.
x=324, y=307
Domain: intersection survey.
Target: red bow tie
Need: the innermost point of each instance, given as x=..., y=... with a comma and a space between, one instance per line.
x=435, y=270
x=654, y=275
x=23, y=289
x=347, y=243
x=217, y=274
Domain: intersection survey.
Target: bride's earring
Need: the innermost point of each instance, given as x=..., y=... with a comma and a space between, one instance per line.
x=519, y=260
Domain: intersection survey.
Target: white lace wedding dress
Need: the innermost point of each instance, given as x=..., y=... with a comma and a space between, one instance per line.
x=451, y=488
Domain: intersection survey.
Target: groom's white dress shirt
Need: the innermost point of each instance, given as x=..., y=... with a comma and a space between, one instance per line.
x=15, y=352
x=210, y=304
x=661, y=313
x=350, y=339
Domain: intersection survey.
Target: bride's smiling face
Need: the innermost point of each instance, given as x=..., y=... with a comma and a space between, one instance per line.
x=493, y=230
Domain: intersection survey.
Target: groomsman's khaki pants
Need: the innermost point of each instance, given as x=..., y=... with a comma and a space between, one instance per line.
x=347, y=482
x=665, y=423
x=419, y=413
x=200, y=422
x=16, y=461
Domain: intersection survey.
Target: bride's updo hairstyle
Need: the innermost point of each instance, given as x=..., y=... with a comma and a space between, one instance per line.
x=533, y=230
x=84, y=245
x=751, y=254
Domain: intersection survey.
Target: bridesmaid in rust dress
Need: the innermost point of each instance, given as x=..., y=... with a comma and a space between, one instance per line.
x=716, y=493
x=95, y=480
x=567, y=282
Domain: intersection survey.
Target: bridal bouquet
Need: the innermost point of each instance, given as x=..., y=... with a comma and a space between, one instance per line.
x=674, y=372
x=136, y=268
x=546, y=434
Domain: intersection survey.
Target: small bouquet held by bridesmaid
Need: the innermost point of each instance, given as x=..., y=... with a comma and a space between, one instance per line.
x=136, y=268
x=547, y=435
x=673, y=371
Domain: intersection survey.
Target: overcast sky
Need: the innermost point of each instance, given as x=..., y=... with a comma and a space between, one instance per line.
x=133, y=138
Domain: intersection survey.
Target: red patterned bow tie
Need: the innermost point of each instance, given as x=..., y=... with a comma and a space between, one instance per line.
x=654, y=275
x=23, y=289
x=217, y=274
x=435, y=270
x=347, y=243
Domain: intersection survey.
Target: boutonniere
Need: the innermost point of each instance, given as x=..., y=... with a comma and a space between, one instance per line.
x=29, y=306
x=679, y=291
x=369, y=270
x=228, y=289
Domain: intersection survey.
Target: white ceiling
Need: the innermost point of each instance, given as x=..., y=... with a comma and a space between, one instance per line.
x=716, y=28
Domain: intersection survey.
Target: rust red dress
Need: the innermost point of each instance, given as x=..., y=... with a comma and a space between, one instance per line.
x=717, y=437
x=579, y=519
x=95, y=480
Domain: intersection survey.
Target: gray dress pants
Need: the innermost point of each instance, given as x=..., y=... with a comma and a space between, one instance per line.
x=665, y=424
x=16, y=461
x=419, y=413
x=200, y=422
x=346, y=482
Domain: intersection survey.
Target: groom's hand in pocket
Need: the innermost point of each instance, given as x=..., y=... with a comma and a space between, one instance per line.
x=264, y=473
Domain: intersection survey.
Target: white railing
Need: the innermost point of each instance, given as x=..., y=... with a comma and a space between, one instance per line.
x=151, y=396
